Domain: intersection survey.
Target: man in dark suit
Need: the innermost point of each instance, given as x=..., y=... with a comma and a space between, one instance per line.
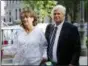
x=63, y=40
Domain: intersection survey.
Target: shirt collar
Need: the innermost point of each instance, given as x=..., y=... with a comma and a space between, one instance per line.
x=59, y=24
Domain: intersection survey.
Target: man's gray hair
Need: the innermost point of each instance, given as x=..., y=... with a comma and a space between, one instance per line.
x=59, y=7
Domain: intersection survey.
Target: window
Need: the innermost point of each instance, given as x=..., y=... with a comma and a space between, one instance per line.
x=16, y=1
x=7, y=3
x=10, y=2
x=4, y=20
x=10, y=13
x=13, y=1
x=10, y=19
x=19, y=10
x=16, y=14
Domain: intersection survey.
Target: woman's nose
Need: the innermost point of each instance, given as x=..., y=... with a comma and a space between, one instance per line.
x=25, y=18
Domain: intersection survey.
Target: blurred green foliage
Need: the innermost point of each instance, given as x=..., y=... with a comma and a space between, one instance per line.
x=41, y=7
x=87, y=42
x=44, y=7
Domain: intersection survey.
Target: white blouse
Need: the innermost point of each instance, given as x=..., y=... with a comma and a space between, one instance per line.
x=29, y=48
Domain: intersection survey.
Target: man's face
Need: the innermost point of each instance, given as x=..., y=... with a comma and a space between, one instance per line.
x=58, y=16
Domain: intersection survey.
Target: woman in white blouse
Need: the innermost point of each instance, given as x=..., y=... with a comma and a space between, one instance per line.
x=30, y=43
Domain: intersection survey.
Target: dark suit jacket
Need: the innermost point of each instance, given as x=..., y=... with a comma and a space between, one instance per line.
x=68, y=48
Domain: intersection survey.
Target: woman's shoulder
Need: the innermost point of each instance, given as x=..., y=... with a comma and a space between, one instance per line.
x=41, y=27
x=19, y=30
x=38, y=29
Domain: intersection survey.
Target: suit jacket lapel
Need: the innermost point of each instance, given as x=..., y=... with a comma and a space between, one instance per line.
x=62, y=33
x=51, y=30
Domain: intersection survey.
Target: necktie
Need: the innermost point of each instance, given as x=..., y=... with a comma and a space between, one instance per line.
x=51, y=43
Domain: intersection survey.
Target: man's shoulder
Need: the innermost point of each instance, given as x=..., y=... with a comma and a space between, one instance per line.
x=50, y=25
x=70, y=25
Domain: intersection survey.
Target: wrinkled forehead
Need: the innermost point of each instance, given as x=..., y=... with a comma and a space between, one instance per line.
x=57, y=11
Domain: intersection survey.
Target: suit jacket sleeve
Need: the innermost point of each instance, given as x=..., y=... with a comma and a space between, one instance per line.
x=77, y=46
x=47, y=32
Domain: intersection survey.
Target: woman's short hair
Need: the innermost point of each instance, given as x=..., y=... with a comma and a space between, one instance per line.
x=28, y=13
x=60, y=7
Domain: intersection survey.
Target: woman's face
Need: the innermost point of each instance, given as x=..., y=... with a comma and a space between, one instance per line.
x=27, y=21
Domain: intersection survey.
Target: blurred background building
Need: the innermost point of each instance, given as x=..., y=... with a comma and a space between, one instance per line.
x=11, y=11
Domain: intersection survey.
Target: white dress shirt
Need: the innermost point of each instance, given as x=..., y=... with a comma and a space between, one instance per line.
x=56, y=41
x=29, y=48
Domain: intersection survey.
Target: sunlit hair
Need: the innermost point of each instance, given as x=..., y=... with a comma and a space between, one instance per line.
x=28, y=13
x=59, y=7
